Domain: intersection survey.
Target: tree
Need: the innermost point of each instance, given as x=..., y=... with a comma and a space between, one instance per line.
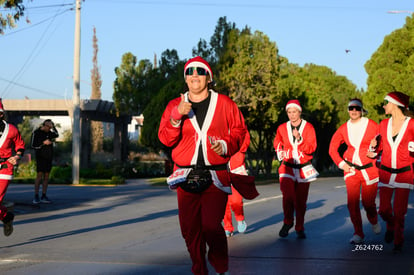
x=250, y=74
x=16, y=9
x=214, y=51
x=96, y=126
x=391, y=68
x=135, y=84
x=26, y=130
x=170, y=88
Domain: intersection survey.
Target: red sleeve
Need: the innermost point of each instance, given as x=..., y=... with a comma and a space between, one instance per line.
x=336, y=141
x=167, y=133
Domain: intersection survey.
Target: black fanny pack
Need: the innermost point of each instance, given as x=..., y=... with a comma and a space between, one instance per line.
x=197, y=181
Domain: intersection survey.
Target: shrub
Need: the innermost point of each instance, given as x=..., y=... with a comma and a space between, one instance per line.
x=26, y=170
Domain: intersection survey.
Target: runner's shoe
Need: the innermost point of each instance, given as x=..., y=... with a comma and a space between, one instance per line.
x=36, y=199
x=8, y=224
x=45, y=199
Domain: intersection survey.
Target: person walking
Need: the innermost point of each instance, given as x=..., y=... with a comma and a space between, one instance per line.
x=10, y=140
x=295, y=142
x=360, y=171
x=396, y=149
x=204, y=129
x=235, y=199
x=42, y=143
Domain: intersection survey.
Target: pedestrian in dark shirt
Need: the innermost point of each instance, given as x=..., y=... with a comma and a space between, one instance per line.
x=42, y=142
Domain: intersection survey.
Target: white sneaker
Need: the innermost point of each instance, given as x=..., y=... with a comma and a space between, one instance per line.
x=376, y=228
x=241, y=226
x=356, y=239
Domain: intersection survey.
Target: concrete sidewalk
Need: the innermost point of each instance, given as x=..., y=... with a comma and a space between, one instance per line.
x=133, y=229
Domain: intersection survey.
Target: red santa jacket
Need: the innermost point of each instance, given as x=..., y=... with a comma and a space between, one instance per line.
x=10, y=138
x=397, y=157
x=356, y=152
x=223, y=121
x=291, y=152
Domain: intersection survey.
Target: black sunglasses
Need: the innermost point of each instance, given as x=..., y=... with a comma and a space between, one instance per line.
x=356, y=108
x=386, y=102
x=200, y=71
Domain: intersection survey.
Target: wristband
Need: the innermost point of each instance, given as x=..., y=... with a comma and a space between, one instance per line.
x=175, y=114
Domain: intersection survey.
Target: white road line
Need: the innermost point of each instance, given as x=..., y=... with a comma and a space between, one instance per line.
x=262, y=200
x=340, y=186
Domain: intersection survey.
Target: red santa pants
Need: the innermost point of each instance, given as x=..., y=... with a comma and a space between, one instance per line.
x=3, y=188
x=394, y=214
x=356, y=187
x=295, y=196
x=235, y=203
x=200, y=218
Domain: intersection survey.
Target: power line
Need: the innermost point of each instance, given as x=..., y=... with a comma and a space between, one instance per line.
x=30, y=88
x=36, y=24
x=31, y=56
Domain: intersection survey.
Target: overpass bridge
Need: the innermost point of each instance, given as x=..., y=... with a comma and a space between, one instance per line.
x=90, y=110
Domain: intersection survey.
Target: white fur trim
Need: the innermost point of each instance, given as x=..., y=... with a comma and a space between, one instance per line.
x=392, y=100
x=294, y=105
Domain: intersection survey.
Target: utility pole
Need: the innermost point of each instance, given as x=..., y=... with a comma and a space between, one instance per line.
x=75, y=99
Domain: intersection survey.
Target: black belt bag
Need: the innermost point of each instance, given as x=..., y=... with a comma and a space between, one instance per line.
x=197, y=181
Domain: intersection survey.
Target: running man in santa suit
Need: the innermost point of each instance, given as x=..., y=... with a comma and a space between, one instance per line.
x=10, y=139
x=360, y=171
x=396, y=171
x=295, y=142
x=204, y=129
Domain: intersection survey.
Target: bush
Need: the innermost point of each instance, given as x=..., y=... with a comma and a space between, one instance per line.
x=117, y=180
x=26, y=170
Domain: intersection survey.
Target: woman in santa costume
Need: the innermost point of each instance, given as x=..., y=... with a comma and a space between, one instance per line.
x=10, y=140
x=204, y=129
x=396, y=150
x=360, y=171
x=235, y=200
x=295, y=142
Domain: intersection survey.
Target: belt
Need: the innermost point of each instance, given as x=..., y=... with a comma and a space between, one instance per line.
x=206, y=167
x=395, y=170
x=359, y=167
x=296, y=166
x=3, y=166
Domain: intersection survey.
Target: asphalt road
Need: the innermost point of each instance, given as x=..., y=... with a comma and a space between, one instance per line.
x=133, y=229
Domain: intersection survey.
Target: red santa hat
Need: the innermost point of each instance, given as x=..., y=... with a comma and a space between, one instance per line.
x=294, y=103
x=1, y=106
x=200, y=63
x=398, y=98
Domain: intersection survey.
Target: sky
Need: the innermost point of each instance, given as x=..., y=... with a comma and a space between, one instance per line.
x=37, y=56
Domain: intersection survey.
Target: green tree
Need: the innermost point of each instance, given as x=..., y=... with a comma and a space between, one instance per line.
x=26, y=130
x=391, y=68
x=250, y=74
x=213, y=52
x=171, y=88
x=96, y=126
x=16, y=10
x=130, y=95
